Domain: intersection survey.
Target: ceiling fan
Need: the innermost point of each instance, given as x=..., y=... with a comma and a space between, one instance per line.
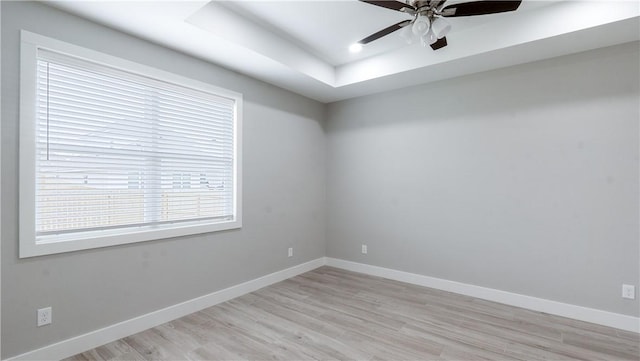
x=428, y=21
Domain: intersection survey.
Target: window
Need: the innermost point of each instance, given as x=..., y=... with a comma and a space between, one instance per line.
x=115, y=152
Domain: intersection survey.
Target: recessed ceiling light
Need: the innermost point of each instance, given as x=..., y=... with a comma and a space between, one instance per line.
x=354, y=48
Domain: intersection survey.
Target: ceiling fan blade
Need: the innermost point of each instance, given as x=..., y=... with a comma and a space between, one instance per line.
x=386, y=31
x=441, y=43
x=479, y=8
x=389, y=4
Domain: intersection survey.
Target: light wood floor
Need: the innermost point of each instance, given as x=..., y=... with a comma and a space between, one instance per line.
x=334, y=314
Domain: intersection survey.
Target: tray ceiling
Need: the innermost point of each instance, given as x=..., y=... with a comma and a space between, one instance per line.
x=303, y=45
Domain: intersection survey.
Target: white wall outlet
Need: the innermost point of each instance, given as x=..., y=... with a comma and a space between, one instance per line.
x=364, y=249
x=629, y=291
x=44, y=316
x=290, y=254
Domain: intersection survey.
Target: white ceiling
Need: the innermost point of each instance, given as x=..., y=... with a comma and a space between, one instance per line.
x=326, y=29
x=303, y=45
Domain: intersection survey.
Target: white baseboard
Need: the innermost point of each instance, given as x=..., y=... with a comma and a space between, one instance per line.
x=600, y=317
x=111, y=333
x=126, y=328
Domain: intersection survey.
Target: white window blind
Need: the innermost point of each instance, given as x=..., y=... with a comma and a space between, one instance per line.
x=120, y=151
x=110, y=146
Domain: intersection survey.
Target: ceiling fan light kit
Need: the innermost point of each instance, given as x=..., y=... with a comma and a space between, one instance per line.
x=428, y=23
x=429, y=31
x=440, y=27
x=429, y=38
x=421, y=25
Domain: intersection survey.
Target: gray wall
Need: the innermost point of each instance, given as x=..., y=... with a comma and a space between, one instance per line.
x=284, y=198
x=523, y=179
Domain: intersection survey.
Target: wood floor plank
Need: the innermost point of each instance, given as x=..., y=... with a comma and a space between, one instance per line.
x=561, y=323
x=627, y=335
x=131, y=355
x=152, y=346
x=455, y=337
x=333, y=314
x=211, y=352
x=612, y=346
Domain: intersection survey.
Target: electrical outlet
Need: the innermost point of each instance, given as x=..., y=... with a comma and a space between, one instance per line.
x=364, y=249
x=44, y=316
x=629, y=291
x=290, y=254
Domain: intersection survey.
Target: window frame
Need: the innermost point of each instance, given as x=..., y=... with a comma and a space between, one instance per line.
x=29, y=244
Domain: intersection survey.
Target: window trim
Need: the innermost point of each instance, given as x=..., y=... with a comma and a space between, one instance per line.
x=30, y=246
